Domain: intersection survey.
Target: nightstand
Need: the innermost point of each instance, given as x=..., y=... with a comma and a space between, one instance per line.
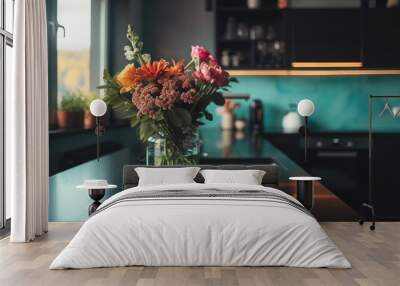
x=305, y=190
x=96, y=190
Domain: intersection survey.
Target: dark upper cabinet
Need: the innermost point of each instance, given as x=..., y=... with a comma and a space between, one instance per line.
x=381, y=37
x=325, y=35
x=345, y=33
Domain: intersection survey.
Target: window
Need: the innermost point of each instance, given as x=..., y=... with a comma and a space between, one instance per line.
x=73, y=46
x=6, y=43
x=78, y=54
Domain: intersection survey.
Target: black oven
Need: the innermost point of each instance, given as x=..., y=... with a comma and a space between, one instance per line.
x=342, y=162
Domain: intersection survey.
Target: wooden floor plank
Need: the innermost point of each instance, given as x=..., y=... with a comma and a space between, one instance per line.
x=375, y=257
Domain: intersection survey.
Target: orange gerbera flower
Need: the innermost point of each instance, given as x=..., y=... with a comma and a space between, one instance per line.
x=128, y=78
x=176, y=69
x=154, y=69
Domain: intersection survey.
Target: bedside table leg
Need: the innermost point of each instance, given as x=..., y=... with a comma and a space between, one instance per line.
x=96, y=195
x=93, y=207
x=305, y=193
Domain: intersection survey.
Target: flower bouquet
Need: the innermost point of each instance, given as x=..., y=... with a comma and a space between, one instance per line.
x=166, y=100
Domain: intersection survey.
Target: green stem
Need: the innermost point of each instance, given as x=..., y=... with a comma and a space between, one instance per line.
x=174, y=149
x=189, y=64
x=140, y=60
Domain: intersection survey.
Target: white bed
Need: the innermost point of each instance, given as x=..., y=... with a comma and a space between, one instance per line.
x=185, y=230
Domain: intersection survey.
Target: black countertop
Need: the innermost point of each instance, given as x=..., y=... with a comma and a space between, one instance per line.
x=226, y=147
x=73, y=131
x=326, y=132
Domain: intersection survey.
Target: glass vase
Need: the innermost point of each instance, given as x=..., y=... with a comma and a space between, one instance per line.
x=183, y=149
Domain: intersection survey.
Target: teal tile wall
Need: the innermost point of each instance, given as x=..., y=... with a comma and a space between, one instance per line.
x=341, y=101
x=341, y=105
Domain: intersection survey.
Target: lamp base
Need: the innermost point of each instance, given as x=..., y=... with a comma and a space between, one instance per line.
x=362, y=215
x=96, y=195
x=305, y=193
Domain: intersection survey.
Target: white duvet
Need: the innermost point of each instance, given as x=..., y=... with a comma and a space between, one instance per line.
x=200, y=231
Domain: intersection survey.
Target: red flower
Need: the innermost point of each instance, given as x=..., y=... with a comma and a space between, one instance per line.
x=190, y=96
x=176, y=68
x=212, y=73
x=144, y=99
x=169, y=94
x=200, y=53
x=153, y=70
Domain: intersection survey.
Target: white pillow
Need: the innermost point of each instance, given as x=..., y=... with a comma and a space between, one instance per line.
x=248, y=177
x=165, y=176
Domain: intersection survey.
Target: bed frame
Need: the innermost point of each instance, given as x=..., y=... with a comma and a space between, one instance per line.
x=130, y=178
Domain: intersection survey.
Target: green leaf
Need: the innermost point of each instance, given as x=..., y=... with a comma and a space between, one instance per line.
x=185, y=116
x=179, y=117
x=135, y=120
x=218, y=99
x=146, y=130
x=234, y=79
x=173, y=118
x=208, y=115
x=107, y=75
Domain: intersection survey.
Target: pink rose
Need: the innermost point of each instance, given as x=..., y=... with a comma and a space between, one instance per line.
x=212, y=61
x=221, y=77
x=212, y=73
x=200, y=52
x=203, y=73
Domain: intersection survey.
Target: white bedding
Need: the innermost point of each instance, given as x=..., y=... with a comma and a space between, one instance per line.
x=200, y=231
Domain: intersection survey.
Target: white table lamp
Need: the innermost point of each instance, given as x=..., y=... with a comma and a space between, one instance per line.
x=98, y=108
x=305, y=108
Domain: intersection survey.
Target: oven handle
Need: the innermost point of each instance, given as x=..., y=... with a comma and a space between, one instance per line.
x=337, y=154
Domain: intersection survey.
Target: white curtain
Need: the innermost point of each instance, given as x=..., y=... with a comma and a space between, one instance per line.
x=27, y=123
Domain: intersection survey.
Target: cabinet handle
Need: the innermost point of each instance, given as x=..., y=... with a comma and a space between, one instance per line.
x=327, y=154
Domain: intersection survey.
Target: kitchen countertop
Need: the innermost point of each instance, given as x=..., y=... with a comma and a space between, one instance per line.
x=226, y=147
x=328, y=133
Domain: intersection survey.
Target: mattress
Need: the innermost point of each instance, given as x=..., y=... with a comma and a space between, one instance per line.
x=201, y=225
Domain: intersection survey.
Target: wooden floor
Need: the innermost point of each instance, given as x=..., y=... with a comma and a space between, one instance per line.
x=375, y=257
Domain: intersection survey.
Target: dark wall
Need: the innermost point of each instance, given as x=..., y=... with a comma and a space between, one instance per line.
x=122, y=13
x=171, y=27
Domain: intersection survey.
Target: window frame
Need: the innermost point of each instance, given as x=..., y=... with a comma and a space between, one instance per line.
x=6, y=39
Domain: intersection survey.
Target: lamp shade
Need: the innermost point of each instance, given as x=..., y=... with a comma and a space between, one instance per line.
x=98, y=107
x=305, y=107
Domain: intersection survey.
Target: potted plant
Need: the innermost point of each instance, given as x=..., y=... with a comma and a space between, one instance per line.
x=70, y=111
x=89, y=121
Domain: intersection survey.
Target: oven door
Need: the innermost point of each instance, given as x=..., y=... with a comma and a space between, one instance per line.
x=345, y=172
